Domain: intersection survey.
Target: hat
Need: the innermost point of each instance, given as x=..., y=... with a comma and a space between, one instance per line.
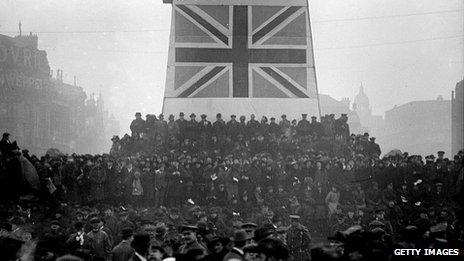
x=283, y=116
x=440, y=152
x=6, y=134
x=192, y=115
x=188, y=228
x=372, y=138
x=304, y=114
x=127, y=232
x=233, y=116
x=263, y=232
x=55, y=222
x=240, y=236
x=94, y=220
x=242, y=117
x=181, y=114
x=138, y=114
x=218, y=115
x=203, y=116
x=281, y=230
x=249, y=226
x=171, y=116
x=344, y=115
x=376, y=223
x=272, y=119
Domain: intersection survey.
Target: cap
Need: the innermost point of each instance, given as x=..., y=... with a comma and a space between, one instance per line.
x=304, y=114
x=203, y=116
x=242, y=117
x=171, y=116
x=281, y=230
x=440, y=152
x=249, y=226
x=344, y=114
x=262, y=233
x=188, y=228
x=55, y=222
x=233, y=116
x=94, y=220
x=240, y=236
x=192, y=115
x=138, y=114
x=283, y=116
x=272, y=119
x=376, y=223
x=313, y=117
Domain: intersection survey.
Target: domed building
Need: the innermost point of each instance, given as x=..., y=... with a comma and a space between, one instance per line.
x=361, y=105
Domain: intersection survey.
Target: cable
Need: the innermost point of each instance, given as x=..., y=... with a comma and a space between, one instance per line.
x=391, y=43
x=94, y=32
x=166, y=30
x=387, y=16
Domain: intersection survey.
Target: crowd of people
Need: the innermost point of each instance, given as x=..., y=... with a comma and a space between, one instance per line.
x=236, y=189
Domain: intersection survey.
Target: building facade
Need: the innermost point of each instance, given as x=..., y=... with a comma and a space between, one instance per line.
x=457, y=118
x=39, y=110
x=418, y=127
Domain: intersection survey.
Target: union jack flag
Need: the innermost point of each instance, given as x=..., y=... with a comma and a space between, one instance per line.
x=241, y=51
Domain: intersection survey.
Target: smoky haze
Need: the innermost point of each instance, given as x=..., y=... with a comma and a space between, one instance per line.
x=400, y=50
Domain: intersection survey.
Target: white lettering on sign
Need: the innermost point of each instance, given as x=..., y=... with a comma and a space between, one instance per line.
x=407, y=252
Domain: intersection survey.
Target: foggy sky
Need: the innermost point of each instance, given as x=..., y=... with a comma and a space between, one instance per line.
x=120, y=47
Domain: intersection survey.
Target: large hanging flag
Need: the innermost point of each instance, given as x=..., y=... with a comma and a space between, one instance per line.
x=240, y=49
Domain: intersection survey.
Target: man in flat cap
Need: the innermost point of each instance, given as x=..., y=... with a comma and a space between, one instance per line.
x=219, y=127
x=316, y=127
x=239, y=240
x=373, y=148
x=250, y=228
x=205, y=127
x=193, y=128
x=137, y=125
x=189, y=239
x=342, y=128
x=298, y=239
x=5, y=143
x=123, y=251
x=284, y=125
x=303, y=127
x=100, y=240
x=274, y=128
x=233, y=127
x=182, y=126
x=173, y=128
x=242, y=129
x=253, y=125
